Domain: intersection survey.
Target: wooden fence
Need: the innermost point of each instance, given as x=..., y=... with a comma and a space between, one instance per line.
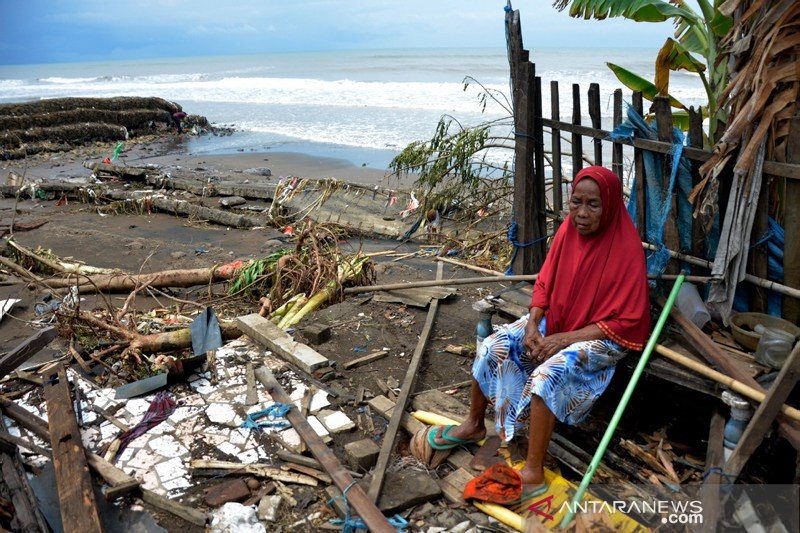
x=531, y=183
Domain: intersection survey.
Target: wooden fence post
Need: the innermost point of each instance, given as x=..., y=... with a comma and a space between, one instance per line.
x=594, y=114
x=577, y=140
x=791, y=224
x=555, y=134
x=616, y=151
x=638, y=172
x=696, y=141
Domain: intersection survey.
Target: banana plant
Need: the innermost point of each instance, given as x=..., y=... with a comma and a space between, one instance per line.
x=695, y=33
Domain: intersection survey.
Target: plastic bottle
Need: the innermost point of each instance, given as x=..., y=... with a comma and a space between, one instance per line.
x=741, y=412
x=773, y=346
x=691, y=305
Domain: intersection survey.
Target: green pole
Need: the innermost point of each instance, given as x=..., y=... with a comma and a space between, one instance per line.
x=623, y=403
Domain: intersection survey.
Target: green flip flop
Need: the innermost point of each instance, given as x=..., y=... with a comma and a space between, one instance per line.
x=454, y=441
x=538, y=491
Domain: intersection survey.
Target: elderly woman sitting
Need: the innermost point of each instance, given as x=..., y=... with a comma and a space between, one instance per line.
x=589, y=306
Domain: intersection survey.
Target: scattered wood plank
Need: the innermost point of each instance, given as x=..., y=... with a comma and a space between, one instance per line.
x=26, y=349
x=376, y=484
x=359, y=500
x=709, y=492
x=251, y=398
x=193, y=516
x=366, y=359
x=255, y=469
x=274, y=338
x=28, y=515
x=75, y=492
x=321, y=476
x=415, y=297
x=385, y=407
x=440, y=282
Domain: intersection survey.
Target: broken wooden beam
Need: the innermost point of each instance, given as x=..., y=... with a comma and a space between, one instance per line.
x=26, y=509
x=439, y=283
x=74, y=484
x=259, y=470
x=192, y=516
x=274, y=338
x=710, y=490
x=26, y=349
x=366, y=509
x=366, y=359
x=376, y=484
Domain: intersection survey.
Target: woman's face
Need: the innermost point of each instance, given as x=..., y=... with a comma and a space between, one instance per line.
x=586, y=206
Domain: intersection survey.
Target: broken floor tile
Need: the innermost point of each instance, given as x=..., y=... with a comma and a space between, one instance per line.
x=228, y=448
x=248, y=456
x=126, y=455
x=216, y=430
x=144, y=459
x=290, y=437
x=319, y=401
x=213, y=440
x=175, y=487
x=171, y=469
x=150, y=481
x=259, y=407
x=336, y=421
x=167, y=446
x=314, y=422
x=108, y=431
x=137, y=406
x=220, y=413
x=239, y=435
x=202, y=386
x=182, y=413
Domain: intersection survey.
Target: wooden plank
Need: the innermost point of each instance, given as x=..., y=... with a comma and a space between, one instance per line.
x=26, y=349
x=385, y=407
x=791, y=224
x=616, y=150
x=594, y=115
x=374, y=356
x=696, y=141
x=359, y=500
x=74, y=484
x=577, y=140
x=765, y=414
x=274, y=338
x=524, y=200
x=758, y=257
x=453, y=485
x=376, y=484
x=555, y=134
x=192, y=516
x=709, y=492
x=539, y=248
x=663, y=112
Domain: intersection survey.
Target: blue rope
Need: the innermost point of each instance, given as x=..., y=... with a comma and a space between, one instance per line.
x=351, y=524
x=512, y=238
x=273, y=412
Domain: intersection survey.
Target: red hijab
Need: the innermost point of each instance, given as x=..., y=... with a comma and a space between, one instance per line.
x=599, y=278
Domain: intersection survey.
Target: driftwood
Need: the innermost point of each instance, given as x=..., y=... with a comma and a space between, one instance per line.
x=157, y=280
x=26, y=349
x=28, y=517
x=183, y=207
x=130, y=173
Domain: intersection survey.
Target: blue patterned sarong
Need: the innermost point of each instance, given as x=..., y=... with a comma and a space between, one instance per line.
x=569, y=382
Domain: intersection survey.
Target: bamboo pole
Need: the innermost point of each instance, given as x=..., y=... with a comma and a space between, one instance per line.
x=719, y=377
x=623, y=403
x=767, y=284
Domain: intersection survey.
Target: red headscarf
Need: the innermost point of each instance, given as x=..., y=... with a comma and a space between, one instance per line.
x=599, y=278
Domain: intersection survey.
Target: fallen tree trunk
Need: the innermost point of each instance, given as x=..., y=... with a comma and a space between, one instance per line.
x=130, y=173
x=179, y=339
x=157, y=280
x=182, y=207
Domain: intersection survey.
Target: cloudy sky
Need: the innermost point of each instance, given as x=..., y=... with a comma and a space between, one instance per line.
x=49, y=31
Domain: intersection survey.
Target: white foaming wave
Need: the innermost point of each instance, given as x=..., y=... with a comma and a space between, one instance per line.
x=66, y=81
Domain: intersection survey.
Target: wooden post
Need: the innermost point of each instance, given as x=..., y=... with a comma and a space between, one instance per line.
x=616, y=151
x=361, y=503
x=28, y=515
x=791, y=224
x=696, y=141
x=555, y=138
x=765, y=414
x=389, y=437
x=757, y=260
x=594, y=114
x=539, y=249
x=75, y=491
x=664, y=126
x=524, y=200
x=639, y=176
x=577, y=140
x=709, y=492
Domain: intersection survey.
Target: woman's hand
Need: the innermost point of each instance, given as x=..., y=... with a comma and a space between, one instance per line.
x=532, y=342
x=551, y=345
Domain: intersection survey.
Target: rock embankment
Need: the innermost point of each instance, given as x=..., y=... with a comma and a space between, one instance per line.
x=60, y=124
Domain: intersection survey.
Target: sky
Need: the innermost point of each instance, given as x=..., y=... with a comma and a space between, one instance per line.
x=55, y=31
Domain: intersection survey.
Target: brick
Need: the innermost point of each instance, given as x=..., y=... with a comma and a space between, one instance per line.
x=274, y=338
x=362, y=454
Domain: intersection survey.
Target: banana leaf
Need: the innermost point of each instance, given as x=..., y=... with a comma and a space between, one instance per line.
x=638, y=10
x=637, y=83
x=673, y=56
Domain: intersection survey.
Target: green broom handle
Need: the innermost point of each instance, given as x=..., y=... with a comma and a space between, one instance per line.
x=623, y=403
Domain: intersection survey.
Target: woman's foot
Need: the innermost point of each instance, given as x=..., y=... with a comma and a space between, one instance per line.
x=532, y=480
x=465, y=431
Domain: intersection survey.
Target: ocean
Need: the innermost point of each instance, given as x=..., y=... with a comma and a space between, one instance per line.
x=362, y=106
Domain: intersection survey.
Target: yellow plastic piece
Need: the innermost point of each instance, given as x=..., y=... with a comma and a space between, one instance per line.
x=559, y=493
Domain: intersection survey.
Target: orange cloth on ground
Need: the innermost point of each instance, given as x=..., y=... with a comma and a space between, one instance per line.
x=499, y=484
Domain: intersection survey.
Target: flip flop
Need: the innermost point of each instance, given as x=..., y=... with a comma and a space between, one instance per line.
x=454, y=441
x=538, y=491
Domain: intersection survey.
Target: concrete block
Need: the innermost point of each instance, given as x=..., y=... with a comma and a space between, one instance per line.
x=404, y=489
x=274, y=338
x=361, y=454
x=316, y=334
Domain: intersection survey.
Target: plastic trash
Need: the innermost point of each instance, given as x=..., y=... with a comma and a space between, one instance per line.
x=773, y=347
x=691, y=305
